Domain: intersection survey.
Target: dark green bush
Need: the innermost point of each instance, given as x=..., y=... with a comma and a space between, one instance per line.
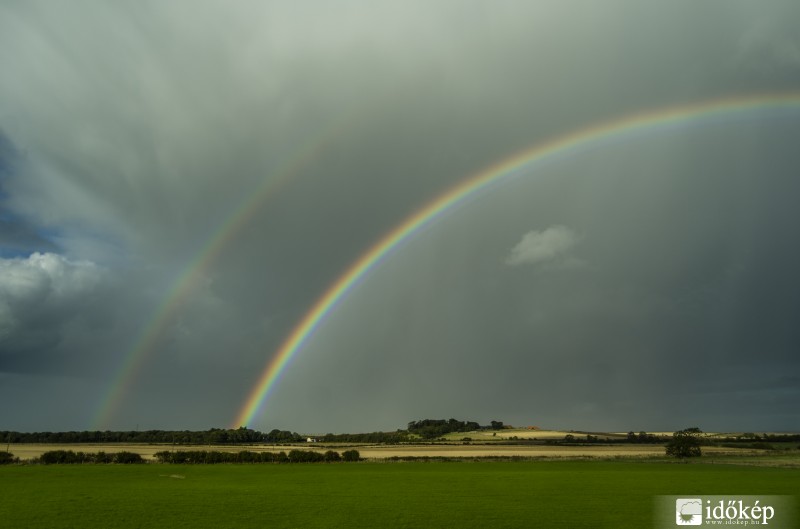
x=294, y=456
x=102, y=457
x=128, y=458
x=351, y=455
x=61, y=457
x=68, y=457
x=332, y=456
x=305, y=456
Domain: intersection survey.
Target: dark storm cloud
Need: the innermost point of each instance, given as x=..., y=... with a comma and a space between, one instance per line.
x=142, y=128
x=43, y=299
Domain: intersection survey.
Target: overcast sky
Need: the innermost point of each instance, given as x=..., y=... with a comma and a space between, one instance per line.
x=649, y=284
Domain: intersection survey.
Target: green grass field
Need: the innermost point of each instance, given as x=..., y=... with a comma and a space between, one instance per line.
x=486, y=494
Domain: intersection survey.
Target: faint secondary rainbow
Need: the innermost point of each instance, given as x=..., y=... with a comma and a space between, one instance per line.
x=626, y=128
x=240, y=217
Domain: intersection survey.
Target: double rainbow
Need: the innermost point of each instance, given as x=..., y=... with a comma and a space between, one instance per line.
x=158, y=324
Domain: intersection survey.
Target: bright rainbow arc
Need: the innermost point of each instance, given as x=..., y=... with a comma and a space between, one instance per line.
x=193, y=272
x=593, y=136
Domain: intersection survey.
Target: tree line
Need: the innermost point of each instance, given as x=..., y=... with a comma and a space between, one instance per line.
x=190, y=457
x=426, y=428
x=214, y=436
x=68, y=457
x=294, y=456
x=372, y=437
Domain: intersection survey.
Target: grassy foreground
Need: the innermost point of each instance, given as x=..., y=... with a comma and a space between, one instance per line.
x=498, y=494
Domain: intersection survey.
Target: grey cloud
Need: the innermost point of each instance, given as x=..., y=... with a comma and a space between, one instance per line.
x=139, y=131
x=40, y=297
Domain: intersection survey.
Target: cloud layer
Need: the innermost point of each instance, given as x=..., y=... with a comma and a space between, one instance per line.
x=192, y=177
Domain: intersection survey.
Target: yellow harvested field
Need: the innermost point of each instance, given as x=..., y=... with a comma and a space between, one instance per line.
x=539, y=435
x=30, y=451
x=488, y=435
x=475, y=450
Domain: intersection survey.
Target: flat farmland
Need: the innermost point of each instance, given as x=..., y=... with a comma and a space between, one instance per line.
x=534, y=451
x=31, y=451
x=574, y=494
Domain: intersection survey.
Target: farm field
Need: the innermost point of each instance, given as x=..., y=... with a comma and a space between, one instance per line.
x=381, y=451
x=371, y=494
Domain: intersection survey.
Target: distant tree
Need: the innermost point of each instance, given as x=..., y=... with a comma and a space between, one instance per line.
x=128, y=458
x=435, y=428
x=282, y=436
x=305, y=456
x=60, y=457
x=351, y=455
x=6, y=458
x=497, y=425
x=163, y=457
x=246, y=456
x=332, y=456
x=102, y=457
x=685, y=443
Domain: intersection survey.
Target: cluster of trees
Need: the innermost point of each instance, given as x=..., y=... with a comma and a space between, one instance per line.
x=643, y=437
x=6, y=458
x=294, y=456
x=685, y=443
x=68, y=457
x=433, y=428
x=569, y=439
x=399, y=436
x=214, y=436
x=280, y=436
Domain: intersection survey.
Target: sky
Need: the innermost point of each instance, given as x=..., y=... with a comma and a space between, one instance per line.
x=180, y=183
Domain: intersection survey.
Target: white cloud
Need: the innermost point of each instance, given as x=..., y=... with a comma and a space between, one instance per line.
x=542, y=246
x=48, y=274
